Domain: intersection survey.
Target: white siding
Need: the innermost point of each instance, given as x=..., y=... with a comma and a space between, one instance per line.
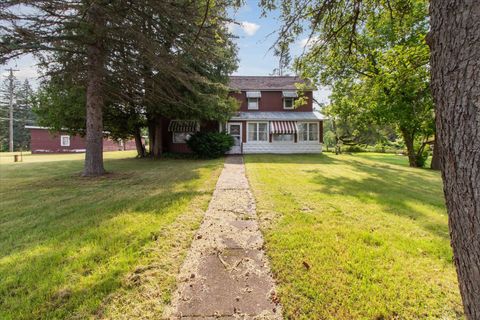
x=282, y=148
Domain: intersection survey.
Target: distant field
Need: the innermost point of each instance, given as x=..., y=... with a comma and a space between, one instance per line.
x=108, y=247
x=359, y=236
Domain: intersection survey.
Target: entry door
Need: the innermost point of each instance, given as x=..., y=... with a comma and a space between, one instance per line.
x=235, y=130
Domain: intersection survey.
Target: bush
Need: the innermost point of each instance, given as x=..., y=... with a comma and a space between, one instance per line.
x=354, y=149
x=210, y=144
x=422, y=159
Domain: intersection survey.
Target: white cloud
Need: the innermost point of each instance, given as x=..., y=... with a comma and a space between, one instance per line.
x=308, y=42
x=249, y=28
x=231, y=27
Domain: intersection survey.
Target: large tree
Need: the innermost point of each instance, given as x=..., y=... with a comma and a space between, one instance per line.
x=454, y=40
x=381, y=75
x=106, y=46
x=455, y=61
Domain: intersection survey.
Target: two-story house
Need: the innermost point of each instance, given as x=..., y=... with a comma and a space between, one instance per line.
x=268, y=120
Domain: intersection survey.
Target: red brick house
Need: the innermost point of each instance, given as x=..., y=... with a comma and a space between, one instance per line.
x=267, y=121
x=44, y=141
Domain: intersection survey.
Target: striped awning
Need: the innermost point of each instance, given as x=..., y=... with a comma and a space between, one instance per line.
x=183, y=126
x=283, y=127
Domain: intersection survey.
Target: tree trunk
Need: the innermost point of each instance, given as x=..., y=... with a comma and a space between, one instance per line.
x=151, y=136
x=95, y=71
x=455, y=62
x=409, y=143
x=139, y=143
x=157, y=145
x=435, y=165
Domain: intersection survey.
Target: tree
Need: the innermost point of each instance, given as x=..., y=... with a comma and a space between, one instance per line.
x=382, y=76
x=22, y=114
x=155, y=50
x=455, y=61
x=454, y=40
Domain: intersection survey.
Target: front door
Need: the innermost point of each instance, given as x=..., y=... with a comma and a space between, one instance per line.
x=235, y=130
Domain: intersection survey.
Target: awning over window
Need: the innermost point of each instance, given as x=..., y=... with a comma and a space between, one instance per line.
x=254, y=94
x=289, y=94
x=283, y=127
x=183, y=126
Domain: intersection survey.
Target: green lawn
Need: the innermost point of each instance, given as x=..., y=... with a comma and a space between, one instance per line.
x=109, y=247
x=355, y=236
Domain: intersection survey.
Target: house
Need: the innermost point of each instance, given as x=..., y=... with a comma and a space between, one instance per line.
x=267, y=122
x=42, y=140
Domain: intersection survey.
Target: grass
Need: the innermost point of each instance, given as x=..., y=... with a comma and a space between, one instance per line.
x=109, y=247
x=358, y=236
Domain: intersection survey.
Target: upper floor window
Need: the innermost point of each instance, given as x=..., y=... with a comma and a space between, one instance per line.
x=289, y=99
x=65, y=141
x=253, y=98
x=252, y=103
x=307, y=131
x=288, y=103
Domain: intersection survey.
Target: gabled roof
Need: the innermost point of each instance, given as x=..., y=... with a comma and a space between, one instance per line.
x=264, y=82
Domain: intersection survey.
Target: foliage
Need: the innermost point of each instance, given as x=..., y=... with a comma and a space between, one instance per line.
x=374, y=57
x=22, y=114
x=210, y=144
x=152, y=59
x=77, y=248
x=371, y=229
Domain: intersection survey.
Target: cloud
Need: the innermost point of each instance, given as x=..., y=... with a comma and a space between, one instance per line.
x=308, y=42
x=231, y=27
x=249, y=28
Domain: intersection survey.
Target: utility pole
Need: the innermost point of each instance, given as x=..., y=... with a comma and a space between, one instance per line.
x=10, y=89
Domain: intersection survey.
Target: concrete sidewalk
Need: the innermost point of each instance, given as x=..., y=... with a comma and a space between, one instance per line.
x=226, y=274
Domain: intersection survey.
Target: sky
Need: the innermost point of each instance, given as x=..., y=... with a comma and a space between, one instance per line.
x=255, y=36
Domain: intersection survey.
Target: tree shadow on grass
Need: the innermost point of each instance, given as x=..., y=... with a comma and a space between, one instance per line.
x=391, y=188
x=59, y=230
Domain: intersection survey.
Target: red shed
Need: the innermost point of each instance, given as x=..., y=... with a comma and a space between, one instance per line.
x=45, y=141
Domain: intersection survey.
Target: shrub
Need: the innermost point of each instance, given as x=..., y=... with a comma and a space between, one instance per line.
x=354, y=149
x=210, y=144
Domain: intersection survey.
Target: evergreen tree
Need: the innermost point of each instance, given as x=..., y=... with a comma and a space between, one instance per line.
x=22, y=114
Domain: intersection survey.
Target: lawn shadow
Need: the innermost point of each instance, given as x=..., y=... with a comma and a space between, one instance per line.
x=59, y=225
x=390, y=186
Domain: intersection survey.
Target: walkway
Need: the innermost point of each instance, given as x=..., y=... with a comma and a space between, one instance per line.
x=226, y=274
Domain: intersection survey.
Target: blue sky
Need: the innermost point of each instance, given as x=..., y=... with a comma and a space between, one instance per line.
x=255, y=37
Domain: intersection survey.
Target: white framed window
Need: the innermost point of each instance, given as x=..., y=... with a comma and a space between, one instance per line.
x=307, y=131
x=288, y=103
x=65, y=141
x=283, y=138
x=257, y=132
x=252, y=103
x=181, y=137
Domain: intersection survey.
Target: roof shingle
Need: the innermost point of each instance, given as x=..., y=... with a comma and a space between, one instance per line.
x=264, y=82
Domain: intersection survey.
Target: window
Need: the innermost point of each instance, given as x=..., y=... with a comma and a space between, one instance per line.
x=307, y=131
x=181, y=137
x=283, y=137
x=288, y=103
x=257, y=131
x=252, y=103
x=65, y=141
